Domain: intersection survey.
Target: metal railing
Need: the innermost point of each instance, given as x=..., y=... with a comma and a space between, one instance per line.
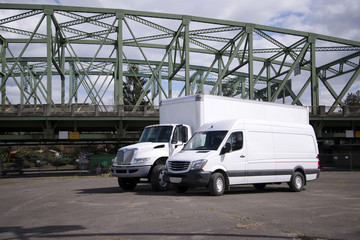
x=335, y=111
x=125, y=110
x=77, y=110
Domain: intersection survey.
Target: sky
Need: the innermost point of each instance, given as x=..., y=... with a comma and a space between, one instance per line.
x=328, y=17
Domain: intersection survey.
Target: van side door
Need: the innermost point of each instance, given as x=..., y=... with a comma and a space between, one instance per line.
x=234, y=157
x=260, y=166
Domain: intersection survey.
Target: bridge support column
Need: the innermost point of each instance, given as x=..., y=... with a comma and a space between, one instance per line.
x=250, y=31
x=314, y=79
x=48, y=13
x=48, y=130
x=118, y=78
x=3, y=69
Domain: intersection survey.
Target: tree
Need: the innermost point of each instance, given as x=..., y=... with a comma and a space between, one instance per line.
x=353, y=99
x=133, y=86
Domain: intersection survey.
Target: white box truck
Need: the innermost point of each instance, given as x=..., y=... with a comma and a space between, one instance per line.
x=179, y=118
x=259, y=143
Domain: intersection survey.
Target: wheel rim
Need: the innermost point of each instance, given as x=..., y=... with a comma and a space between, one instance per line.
x=219, y=185
x=298, y=182
x=161, y=179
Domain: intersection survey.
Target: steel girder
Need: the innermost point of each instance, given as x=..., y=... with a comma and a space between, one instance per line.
x=70, y=55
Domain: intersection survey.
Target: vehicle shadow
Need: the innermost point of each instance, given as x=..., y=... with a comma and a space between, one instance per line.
x=69, y=232
x=146, y=190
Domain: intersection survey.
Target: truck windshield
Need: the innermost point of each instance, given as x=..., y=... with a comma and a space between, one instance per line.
x=205, y=140
x=156, y=134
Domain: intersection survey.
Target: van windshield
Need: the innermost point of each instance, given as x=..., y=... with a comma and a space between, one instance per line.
x=156, y=134
x=206, y=140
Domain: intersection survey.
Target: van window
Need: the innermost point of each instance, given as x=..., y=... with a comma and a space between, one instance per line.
x=210, y=140
x=236, y=141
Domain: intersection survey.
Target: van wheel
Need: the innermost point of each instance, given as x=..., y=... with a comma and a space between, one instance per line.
x=127, y=183
x=157, y=178
x=180, y=189
x=259, y=186
x=296, y=183
x=217, y=184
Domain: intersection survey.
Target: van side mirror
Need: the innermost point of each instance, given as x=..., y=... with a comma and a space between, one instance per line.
x=226, y=149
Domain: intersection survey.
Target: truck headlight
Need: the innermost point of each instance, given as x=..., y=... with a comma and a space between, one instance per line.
x=141, y=160
x=198, y=164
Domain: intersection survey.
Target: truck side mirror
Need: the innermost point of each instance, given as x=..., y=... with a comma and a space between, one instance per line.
x=183, y=134
x=226, y=149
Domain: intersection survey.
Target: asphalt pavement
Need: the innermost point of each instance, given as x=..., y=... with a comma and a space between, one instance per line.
x=94, y=207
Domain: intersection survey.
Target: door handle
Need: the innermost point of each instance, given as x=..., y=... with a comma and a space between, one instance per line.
x=242, y=156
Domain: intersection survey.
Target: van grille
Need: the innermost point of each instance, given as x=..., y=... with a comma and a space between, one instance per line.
x=124, y=156
x=177, y=166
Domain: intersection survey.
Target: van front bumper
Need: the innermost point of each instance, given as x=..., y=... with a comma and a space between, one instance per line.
x=130, y=171
x=194, y=178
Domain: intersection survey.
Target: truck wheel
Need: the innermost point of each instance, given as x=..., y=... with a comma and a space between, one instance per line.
x=217, y=184
x=127, y=183
x=157, y=178
x=296, y=183
x=259, y=186
x=180, y=189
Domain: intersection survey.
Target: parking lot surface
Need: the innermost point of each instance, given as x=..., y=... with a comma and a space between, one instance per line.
x=89, y=207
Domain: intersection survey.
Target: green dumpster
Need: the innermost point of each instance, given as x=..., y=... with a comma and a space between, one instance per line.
x=101, y=160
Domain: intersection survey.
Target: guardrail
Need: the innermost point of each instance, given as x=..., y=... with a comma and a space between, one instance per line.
x=77, y=110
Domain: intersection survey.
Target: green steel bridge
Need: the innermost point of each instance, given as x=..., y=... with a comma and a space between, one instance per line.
x=64, y=69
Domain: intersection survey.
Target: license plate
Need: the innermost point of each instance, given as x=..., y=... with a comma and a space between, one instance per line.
x=175, y=180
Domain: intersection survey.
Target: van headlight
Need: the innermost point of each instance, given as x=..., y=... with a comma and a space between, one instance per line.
x=141, y=160
x=198, y=164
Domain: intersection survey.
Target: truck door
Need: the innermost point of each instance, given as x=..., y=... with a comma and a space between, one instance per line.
x=179, y=139
x=233, y=157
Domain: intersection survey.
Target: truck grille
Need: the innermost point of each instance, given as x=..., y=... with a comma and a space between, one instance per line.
x=177, y=166
x=124, y=156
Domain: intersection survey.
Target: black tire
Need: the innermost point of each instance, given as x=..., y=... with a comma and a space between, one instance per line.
x=180, y=189
x=157, y=179
x=260, y=186
x=127, y=183
x=217, y=184
x=297, y=182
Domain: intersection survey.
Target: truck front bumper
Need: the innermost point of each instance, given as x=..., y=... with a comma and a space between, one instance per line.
x=127, y=171
x=194, y=178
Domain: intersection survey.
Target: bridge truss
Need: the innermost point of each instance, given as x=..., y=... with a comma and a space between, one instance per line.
x=66, y=55
x=60, y=57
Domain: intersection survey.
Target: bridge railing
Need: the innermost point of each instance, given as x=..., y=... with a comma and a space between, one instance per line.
x=128, y=110
x=335, y=111
x=77, y=110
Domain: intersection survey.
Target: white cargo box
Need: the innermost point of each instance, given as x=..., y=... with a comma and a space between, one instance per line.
x=196, y=110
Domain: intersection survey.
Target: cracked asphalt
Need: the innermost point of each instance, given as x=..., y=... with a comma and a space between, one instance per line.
x=94, y=207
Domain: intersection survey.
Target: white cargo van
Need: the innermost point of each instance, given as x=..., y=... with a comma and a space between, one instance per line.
x=269, y=143
x=179, y=118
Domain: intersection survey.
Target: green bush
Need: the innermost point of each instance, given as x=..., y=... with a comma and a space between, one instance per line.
x=57, y=162
x=28, y=165
x=40, y=164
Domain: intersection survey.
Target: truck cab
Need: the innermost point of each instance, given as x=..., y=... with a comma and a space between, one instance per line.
x=147, y=158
